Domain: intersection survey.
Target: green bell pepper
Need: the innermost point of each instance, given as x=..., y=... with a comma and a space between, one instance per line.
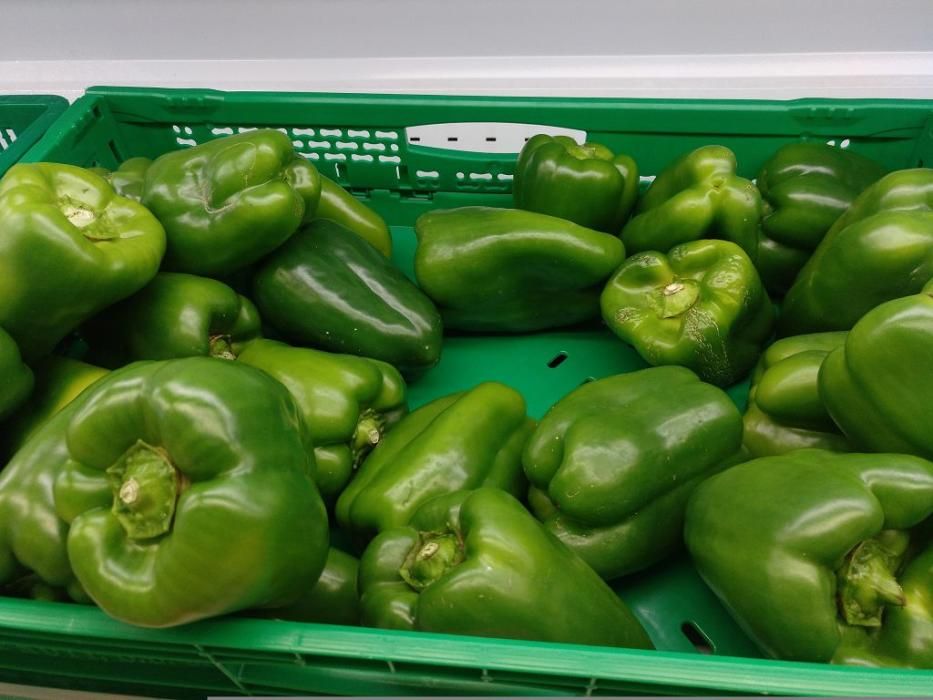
x=478, y=563
x=701, y=306
x=330, y=289
x=16, y=378
x=906, y=637
x=802, y=546
x=128, y=179
x=778, y=264
x=32, y=536
x=880, y=249
x=586, y=184
x=176, y=315
x=213, y=506
x=805, y=188
x=347, y=402
x=877, y=387
x=70, y=247
x=509, y=270
x=785, y=411
x=339, y=206
x=697, y=196
x=58, y=381
x=333, y=600
x=462, y=441
x=228, y=202
x=612, y=463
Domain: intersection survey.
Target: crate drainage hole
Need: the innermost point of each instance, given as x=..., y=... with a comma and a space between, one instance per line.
x=557, y=360
x=699, y=640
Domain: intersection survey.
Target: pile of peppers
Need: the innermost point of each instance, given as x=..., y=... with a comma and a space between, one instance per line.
x=204, y=370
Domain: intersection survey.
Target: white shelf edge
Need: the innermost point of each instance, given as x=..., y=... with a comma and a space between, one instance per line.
x=763, y=76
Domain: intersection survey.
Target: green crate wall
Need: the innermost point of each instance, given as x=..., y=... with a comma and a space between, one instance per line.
x=23, y=121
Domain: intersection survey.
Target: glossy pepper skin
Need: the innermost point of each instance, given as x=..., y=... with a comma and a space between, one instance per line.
x=128, y=179
x=348, y=403
x=70, y=247
x=333, y=600
x=906, y=637
x=59, y=380
x=509, y=270
x=378, y=312
x=461, y=441
x=32, y=535
x=802, y=546
x=805, y=187
x=228, y=202
x=877, y=386
x=478, y=563
x=880, y=249
x=339, y=206
x=213, y=506
x=701, y=306
x=614, y=461
x=584, y=183
x=785, y=411
x=16, y=378
x=176, y=315
x=697, y=196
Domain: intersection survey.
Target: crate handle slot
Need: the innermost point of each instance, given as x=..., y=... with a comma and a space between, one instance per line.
x=696, y=637
x=482, y=137
x=557, y=360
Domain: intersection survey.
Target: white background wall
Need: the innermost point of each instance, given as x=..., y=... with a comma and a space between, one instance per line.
x=729, y=48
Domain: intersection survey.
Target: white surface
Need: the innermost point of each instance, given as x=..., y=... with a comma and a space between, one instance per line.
x=671, y=48
x=775, y=76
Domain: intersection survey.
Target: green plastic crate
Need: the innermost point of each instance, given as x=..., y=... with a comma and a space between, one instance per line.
x=23, y=120
x=361, y=141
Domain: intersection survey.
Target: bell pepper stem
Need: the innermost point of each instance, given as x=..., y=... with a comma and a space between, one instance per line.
x=677, y=297
x=868, y=581
x=145, y=490
x=221, y=347
x=433, y=555
x=79, y=217
x=367, y=435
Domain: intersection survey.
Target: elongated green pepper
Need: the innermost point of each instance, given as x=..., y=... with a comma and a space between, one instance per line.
x=804, y=546
x=785, y=411
x=348, y=403
x=701, y=306
x=613, y=463
x=509, y=270
x=586, y=184
x=228, y=202
x=880, y=249
x=339, y=206
x=213, y=506
x=478, y=563
x=697, y=196
x=330, y=289
x=805, y=188
x=461, y=441
x=877, y=386
x=70, y=247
